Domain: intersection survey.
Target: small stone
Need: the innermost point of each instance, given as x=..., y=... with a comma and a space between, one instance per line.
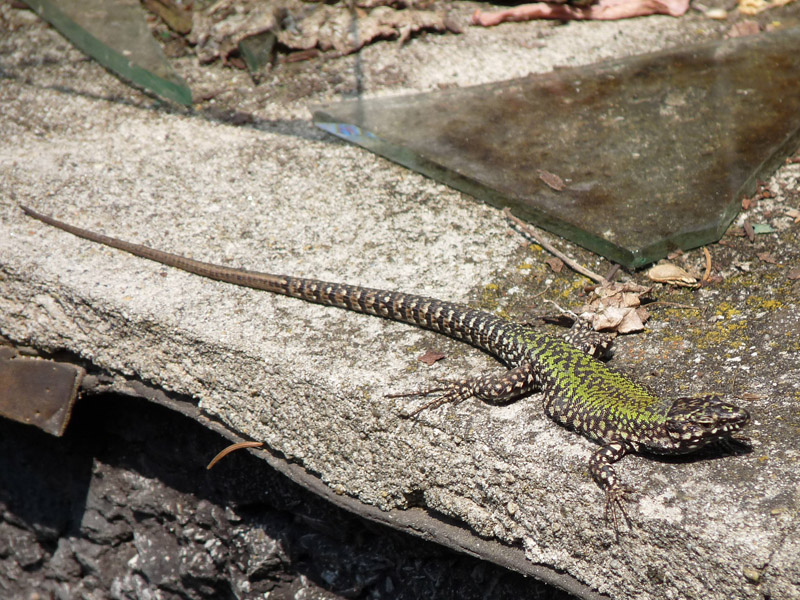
x=752, y=575
x=718, y=14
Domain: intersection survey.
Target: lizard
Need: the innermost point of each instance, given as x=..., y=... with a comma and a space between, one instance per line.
x=578, y=390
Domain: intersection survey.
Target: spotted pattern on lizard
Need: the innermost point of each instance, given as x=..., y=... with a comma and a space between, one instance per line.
x=579, y=391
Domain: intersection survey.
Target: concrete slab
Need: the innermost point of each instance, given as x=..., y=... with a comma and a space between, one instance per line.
x=247, y=181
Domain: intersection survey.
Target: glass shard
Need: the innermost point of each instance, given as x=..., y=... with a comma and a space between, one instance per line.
x=630, y=158
x=115, y=34
x=258, y=51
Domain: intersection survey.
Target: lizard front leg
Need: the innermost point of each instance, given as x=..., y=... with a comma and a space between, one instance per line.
x=491, y=388
x=594, y=343
x=602, y=470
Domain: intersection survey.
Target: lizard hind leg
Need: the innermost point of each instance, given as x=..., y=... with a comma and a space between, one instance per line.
x=491, y=388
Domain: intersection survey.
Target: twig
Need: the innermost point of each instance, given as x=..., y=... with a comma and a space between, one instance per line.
x=527, y=229
x=232, y=448
x=612, y=272
x=707, y=275
x=563, y=311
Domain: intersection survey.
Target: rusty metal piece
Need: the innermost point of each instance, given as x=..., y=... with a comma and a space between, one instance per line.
x=37, y=392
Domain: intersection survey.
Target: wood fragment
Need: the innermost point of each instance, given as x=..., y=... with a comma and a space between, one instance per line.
x=233, y=448
x=539, y=239
x=707, y=275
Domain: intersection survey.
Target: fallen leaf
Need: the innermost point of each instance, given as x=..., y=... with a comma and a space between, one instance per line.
x=793, y=213
x=672, y=274
x=616, y=307
x=621, y=320
x=217, y=31
x=753, y=7
x=555, y=263
x=604, y=10
x=749, y=232
x=766, y=257
x=332, y=27
x=794, y=273
x=430, y=357
x=748, y=203
x=552, y=180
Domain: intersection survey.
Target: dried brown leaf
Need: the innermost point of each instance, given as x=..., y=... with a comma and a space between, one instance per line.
x=617, y=307
x=621, y=320
x=794, y=273
x=551, y=179
x=605, y=10
x=608, y=319
x=331, y=27
x=555, y=263
x=672, y=274
x=749, y=232
x=430, y=357
x=217, y=31
x=766, y=257
x=631, y=323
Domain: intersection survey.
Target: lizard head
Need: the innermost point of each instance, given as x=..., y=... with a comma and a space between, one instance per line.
x=695, y=422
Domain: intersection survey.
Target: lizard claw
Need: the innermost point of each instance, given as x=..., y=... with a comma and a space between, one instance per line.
x=453, y=392
x=615, y=499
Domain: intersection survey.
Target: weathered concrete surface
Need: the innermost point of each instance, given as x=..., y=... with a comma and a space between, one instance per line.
x=275, y=194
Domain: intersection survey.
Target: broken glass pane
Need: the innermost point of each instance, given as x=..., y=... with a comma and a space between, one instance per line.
x=115, y=34
x=630, y=158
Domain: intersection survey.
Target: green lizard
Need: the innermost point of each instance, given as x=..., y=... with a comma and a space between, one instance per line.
x=578, y=390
